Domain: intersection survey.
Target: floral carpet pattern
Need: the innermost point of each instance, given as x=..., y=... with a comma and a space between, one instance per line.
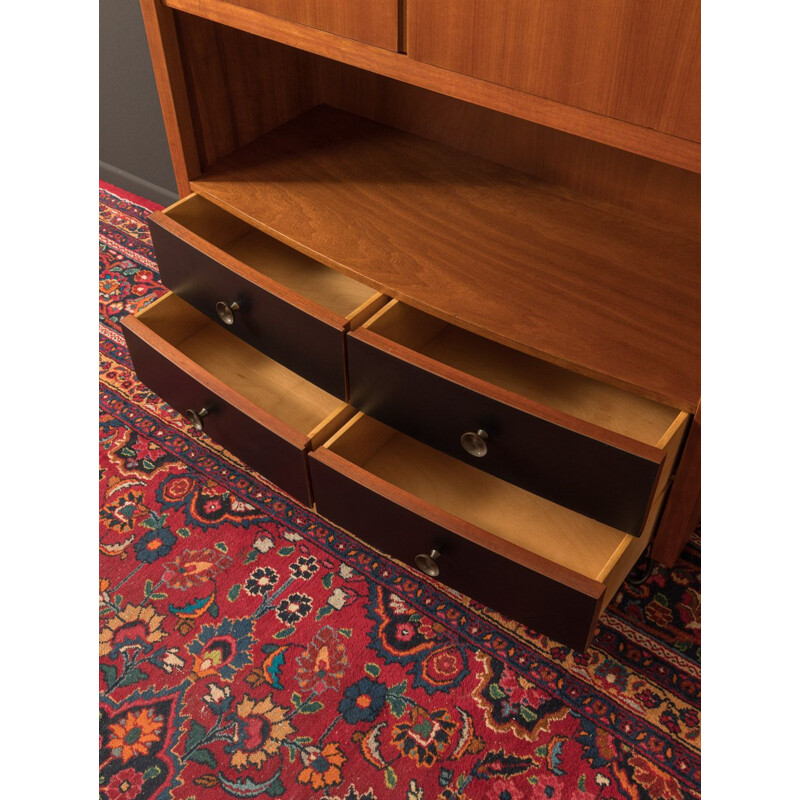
x=250, y=649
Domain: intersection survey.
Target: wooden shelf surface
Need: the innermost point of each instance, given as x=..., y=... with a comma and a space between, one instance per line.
x=483, y=246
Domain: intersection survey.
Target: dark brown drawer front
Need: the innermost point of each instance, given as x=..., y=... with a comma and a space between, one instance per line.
x=298, y=340
x=539, y=601
x=595, y=479
x=279, y=461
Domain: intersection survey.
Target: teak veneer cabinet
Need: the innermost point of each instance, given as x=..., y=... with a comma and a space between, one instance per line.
x=435, y=272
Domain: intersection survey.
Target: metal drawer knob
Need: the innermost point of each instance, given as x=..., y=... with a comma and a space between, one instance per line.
x=427, y=563
x=475, y=443
x=196, y=417
x=225, y=311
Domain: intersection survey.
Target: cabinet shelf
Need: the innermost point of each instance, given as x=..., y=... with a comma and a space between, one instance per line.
x=480, y=245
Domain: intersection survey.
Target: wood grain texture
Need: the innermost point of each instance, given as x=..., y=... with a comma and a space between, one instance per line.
x=334, y=422
x=387, y=519
x=206, y=255
x=682, y=509
x=475, y=243
x=607, y=130
x=167, y=230
x=165, y=55
x=520, y=518
x=641, y=186
x=239, y=86
x=671, y=442
x=634, y=60
x=371, y=21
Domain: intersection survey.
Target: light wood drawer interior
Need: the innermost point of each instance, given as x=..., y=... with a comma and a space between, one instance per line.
x=531, y=378
x=248, y=372
x=539, y=526
x=273, y=259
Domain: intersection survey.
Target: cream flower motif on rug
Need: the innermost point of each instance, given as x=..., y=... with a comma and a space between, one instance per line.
x=261, y=728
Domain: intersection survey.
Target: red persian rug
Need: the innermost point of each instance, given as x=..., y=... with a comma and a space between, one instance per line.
x=250, y=649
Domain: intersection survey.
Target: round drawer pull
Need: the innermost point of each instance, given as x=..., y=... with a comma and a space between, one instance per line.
x=427, y=563
x=196, y=417
x=225, y=311
x=475, y=443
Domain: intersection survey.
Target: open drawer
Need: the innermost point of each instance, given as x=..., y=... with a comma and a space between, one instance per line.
x=542, y=564
x=279, y=300
x=261, y=411
x=588, y=446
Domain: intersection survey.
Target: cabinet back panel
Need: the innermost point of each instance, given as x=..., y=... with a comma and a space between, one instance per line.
x=600, y=173
x=240, y=86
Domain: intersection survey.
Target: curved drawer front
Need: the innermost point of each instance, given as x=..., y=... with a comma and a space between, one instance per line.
x=539, y=563
x=565, y=608
x=258, y=409
x=204, y=276
x=598, y=478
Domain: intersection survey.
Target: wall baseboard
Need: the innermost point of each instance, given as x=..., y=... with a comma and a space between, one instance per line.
x=133, y=183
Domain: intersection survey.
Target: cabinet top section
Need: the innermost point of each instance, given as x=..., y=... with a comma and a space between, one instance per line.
x=483, y=246
x=512, y=90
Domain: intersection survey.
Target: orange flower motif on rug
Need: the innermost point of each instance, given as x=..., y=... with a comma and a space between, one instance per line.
x=322, y=767
x=135, y=734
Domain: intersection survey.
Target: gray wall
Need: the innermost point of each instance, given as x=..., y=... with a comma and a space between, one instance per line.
x=133, y=144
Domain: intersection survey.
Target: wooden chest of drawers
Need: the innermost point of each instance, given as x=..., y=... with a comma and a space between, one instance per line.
x=380, y=306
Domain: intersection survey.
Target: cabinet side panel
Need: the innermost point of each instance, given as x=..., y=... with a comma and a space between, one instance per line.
x=682, y=509
x=162, y=40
